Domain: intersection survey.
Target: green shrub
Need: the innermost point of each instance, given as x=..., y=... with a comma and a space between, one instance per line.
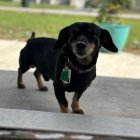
x=109, y=7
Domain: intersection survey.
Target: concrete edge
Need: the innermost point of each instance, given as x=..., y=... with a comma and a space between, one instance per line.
x=69, y=123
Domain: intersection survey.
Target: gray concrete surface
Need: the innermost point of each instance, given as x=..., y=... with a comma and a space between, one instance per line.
x=114, y=97
x=69, y=123
x=107, y=96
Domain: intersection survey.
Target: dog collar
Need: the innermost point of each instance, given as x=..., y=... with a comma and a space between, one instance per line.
x=76, y=68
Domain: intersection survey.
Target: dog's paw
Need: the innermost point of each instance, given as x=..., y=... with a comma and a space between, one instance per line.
x=43, y=88
x=78, y=111
x=21, y=86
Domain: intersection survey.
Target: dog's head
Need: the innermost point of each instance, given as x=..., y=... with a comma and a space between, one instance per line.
x=84, y=39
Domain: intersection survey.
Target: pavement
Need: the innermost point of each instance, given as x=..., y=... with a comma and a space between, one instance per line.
x=118, y=78
x=81, y=12
x=112, y=97
x=40, y=125
x=123, y=65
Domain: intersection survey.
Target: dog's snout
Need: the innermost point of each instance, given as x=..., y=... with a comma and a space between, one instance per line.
x=81, y=45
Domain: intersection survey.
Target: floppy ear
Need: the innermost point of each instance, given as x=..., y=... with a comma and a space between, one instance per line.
x=62, y=38
x=107, y=42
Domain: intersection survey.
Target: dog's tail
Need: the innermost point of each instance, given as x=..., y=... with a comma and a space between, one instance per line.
x=33, y=35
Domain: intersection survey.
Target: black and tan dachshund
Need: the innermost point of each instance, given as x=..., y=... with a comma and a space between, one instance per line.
x=70, y=60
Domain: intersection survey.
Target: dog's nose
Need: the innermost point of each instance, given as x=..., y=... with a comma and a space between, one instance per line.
x=81, y=45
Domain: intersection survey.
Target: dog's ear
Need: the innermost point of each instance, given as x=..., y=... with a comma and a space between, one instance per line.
x=62, y=38
x=107, y=42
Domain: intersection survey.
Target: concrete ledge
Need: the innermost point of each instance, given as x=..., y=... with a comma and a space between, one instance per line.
x=69, y=123
x=115, y=97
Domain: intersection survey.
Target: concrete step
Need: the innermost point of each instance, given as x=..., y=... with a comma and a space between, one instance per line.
x=118, y=97
x=115, y=97
x=88, y=127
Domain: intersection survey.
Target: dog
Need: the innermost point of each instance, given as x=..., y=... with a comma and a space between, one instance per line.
x=70, y=61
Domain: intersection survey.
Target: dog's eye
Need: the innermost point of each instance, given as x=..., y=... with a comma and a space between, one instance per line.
x=72, y=35
x=95, y=39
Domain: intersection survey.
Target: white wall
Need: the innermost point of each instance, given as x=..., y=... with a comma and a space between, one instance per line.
x=78, y=3
x=59, y=1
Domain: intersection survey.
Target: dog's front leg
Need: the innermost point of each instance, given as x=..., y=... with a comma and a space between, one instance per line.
x=60, y=95
x=75, y=104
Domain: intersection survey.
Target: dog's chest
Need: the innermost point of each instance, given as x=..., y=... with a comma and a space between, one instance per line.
x=79, y=82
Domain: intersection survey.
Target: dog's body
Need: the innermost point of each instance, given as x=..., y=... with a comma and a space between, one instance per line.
x=76, y=50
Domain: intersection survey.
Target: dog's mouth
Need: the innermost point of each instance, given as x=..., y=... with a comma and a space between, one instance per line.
x=82, y=49
x=81, y=54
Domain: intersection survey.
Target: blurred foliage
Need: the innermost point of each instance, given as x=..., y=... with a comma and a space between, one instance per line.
x=91, y=4
x=18, y=25
x=109, y=7
x=96, y=3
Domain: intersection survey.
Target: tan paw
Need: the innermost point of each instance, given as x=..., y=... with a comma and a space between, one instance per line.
x=78, y=111
x=43, y=88
x=21, y=86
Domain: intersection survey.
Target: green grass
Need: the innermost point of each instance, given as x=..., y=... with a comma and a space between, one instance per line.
x=134, y=35
x=18, y=25
x=9, y=3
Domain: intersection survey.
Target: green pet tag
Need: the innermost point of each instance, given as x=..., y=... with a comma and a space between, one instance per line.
x=65, y=75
